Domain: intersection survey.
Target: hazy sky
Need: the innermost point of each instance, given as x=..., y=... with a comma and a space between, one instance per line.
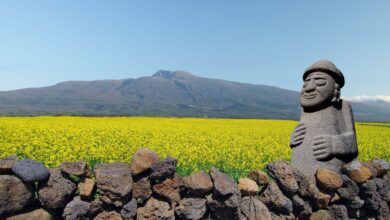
x=260, y=42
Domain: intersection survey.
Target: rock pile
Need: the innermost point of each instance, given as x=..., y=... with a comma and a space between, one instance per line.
x=150, y=189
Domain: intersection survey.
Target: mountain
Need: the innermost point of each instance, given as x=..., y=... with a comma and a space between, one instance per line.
x=166, y=93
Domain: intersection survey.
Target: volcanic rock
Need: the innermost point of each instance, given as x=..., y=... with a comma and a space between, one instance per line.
x=191, y=208
x=30, y=170
x=142, y=160
x=321, y=215
x=129, y=211
x=223, y=208
x=328, y=179
x=55, y=192
x=283, y=173
x=247, y=187
x=37, y=214
x=74, y=168
x=254, y=209
x=198, y=183
x=155, y=209
x=87, y=188
x=169, y=189
x=163, y=169
x=223, y=184
x=339, y=212
x=76, y=209
x=259, y=177
x=108, y=216
x=115, y=182
x=381, y=166
x=307, y=187
x=141, y=188
x=14, y=194
x=274, y=199
x=357, y=172
x=6, y=164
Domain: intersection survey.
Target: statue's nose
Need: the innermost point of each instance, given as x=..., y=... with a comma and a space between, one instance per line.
x=311, y=86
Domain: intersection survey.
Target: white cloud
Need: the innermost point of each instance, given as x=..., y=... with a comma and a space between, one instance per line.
x=366, y=98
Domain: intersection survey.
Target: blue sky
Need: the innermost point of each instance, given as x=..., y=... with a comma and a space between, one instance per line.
x=260, y=42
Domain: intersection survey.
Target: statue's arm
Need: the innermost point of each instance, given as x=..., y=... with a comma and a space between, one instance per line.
x=345, y=145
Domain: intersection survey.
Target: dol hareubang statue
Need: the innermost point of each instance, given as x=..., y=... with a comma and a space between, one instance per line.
x=325, y=136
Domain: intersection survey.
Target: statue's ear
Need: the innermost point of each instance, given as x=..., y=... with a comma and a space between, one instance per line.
x=336, y=94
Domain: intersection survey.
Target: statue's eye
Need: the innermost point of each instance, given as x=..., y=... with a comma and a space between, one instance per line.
x=305, y=84
x=320, y=82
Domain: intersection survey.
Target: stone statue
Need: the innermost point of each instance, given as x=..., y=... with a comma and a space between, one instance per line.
x=325, y=136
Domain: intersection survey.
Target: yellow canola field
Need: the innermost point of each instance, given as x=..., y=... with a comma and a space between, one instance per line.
x=235, y=146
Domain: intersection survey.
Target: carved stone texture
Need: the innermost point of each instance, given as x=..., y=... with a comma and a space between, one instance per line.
x=115, y=182
x=14, y=194
x=325, y=136
x=30, y=170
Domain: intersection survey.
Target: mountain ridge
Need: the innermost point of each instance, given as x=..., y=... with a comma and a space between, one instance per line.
x=165, y=93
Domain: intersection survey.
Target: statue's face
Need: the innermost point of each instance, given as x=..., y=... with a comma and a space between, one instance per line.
x=318, y=90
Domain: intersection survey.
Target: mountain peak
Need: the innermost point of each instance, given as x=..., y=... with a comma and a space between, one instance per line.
x=166, y=74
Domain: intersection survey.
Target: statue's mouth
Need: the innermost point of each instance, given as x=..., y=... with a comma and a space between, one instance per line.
x=309, y=96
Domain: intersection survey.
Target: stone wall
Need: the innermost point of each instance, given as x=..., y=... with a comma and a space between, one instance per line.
x=149, y=188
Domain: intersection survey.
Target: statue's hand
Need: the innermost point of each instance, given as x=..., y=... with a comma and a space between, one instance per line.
x=322, y=147
x=298, y=135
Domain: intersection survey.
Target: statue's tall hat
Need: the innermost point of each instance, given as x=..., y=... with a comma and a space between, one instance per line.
x=326, y=67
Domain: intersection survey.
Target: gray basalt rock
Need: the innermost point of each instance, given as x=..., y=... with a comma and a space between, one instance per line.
x=76, y=209
x=191, y=209
x=129, y=211
x=381, y=166
x=368, y=193
x=6, y=164
x=199, y=183
x=283, y=173
x=254, y=209
x=223, y=184
x=30, y=170
x=383, y=212
x=14, y=194
x=325, y=136
x=55, y=192
x=141, y=188
x=274, y=199
x=339, y=212
x=307, y=187
x=96, y=207
x=78, y=168
x=155, y=209
x=223, y=208
x=383, y=189
x=163, y=169
x=115, y=181
x=108, y=216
